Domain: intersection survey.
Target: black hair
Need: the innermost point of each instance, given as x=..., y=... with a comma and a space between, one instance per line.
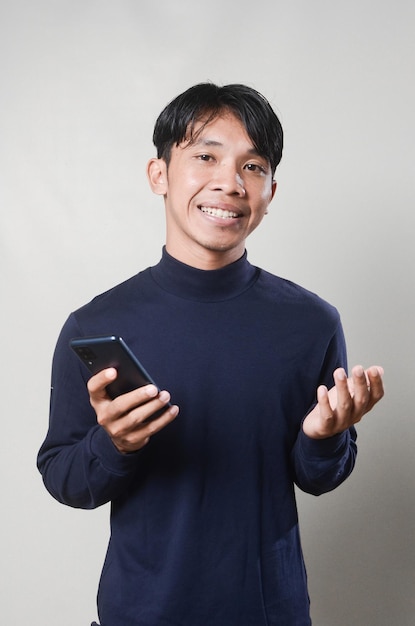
x=205, y=101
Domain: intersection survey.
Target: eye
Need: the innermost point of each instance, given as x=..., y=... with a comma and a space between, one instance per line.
x=204, y=157
x=256, y=168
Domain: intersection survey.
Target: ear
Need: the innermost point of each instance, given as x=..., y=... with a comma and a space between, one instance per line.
x=273, y=188
x=157, y=176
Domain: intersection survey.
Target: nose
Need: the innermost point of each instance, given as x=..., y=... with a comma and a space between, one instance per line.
x=228, y=179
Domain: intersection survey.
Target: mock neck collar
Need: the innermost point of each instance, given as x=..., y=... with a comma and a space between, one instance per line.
x=191, y=283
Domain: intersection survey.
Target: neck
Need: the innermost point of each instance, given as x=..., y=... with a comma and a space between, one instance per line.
x=203, y=258
x=196, y=284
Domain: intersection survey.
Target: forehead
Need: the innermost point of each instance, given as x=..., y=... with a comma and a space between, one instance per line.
x=224, y=130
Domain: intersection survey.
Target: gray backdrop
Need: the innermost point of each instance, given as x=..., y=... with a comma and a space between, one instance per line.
x=81, y=83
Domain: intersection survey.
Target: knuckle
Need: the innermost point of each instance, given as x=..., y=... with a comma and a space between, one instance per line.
x=151, y=429
x=118, y=432
x=361, y=402
x=346, y=405
x=379, y=393
x=103, y=418
x=153, y=426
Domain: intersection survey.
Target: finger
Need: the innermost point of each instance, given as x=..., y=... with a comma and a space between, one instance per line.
x=324, y=404
x=165, y=418
x=129, y=405
x=376, y=389
x=361, y=392
x=323, y=398
x=344, y=399
x=150, y=409
x=128, y=438
x=97, y=384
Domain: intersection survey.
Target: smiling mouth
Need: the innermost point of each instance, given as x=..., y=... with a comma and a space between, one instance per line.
x=224, y=214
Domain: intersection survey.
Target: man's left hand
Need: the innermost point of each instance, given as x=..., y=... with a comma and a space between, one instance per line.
x=346, y=403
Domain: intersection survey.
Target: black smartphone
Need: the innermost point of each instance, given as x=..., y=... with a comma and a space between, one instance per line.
x=103, y=351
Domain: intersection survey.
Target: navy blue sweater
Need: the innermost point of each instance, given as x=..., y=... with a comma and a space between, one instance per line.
x=204, y=528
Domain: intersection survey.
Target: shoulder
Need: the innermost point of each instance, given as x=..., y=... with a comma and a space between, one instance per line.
x=113, y=304
x=293, y=298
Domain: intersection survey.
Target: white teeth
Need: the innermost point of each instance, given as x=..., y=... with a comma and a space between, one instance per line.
x=218, y=212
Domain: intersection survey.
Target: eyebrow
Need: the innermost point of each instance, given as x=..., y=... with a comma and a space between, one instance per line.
x=203, y=141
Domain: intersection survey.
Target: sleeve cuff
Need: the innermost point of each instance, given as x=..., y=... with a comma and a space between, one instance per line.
x=114, y=461
x=323, y=448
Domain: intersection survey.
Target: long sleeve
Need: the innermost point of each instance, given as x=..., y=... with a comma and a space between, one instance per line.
x=322, y=465
x=80, y=465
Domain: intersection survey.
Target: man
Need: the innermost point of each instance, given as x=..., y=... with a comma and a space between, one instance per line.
x=204, y=528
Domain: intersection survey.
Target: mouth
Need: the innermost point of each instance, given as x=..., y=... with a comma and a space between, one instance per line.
x=215, y=212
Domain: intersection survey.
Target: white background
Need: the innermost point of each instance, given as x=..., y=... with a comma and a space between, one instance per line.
x=81, y=84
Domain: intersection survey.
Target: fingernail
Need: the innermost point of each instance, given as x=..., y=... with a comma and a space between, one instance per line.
x=151, y=391
x=376, y=371
x=341, y=374
x=321, y=392
x=359, y=371
x=164, y=396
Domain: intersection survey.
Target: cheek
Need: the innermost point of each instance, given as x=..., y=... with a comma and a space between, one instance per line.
x=189, y=185
x=264, y=200
x=268, y=193
x=262, y=191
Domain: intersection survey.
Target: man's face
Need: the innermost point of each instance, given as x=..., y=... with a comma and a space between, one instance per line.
x=216, y=190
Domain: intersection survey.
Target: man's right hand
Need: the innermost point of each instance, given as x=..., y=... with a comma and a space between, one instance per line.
x=124, y=418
